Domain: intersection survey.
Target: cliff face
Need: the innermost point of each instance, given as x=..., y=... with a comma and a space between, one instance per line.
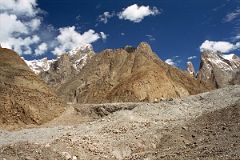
x=129, y=74
x=24, y=97
x=219, y=69
x=67, y=66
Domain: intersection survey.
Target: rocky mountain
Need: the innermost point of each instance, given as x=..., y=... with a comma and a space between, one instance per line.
x=219, y=69
x=67, y=65
x=24, y=97
x=128, y=74
x=39, y=65
x=190, y=68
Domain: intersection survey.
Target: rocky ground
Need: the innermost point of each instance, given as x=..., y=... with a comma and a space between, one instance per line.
x=204, y=126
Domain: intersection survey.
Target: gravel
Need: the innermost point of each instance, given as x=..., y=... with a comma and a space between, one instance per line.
x=117, y=131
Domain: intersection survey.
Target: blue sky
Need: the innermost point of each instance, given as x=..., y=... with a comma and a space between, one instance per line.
x=174, y=28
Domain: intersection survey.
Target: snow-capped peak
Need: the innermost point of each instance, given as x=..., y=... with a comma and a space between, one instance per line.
x=84, y=48
x=228, y=56
x=77, y=57
x=226, y=62
x=39, y=65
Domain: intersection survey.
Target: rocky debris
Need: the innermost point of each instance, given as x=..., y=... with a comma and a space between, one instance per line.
x=219, y=69
x=190, y=68
x=24, y=98
x=204, y=126
x=213, y=135
x=128, y=75
x=102, y=110
x=67, y=66
x=29, y=151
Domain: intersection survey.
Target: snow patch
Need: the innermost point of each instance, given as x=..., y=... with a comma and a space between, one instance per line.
x=228, y=56
x=84, y=49
x=39, y=65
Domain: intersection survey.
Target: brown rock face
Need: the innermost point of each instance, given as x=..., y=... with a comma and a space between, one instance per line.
x=66, y=66
x=24, y=98
x=219, y=69
x=190, y=68
x=129, y=74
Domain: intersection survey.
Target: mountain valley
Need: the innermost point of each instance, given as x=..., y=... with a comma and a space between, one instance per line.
x=118, y=104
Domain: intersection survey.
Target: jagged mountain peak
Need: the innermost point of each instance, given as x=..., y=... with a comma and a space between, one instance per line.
x=117, y=75
x=190, y=68
x=223, y=61
x=218, y=68
x=144, y=47
x=39, y=65
x=67, y=65
x=81, y=49
x=77, y=58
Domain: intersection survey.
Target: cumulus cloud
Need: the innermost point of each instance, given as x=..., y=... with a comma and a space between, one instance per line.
x=19, y=20
x=34, y=24
x=103, y=35
x=22, y=30
x=170, y=62
x=69, y=38
x=9, y=25
x=105, y=16
x=192, y=57
x=21, y=45
x=137, y=13
x=218, y=46
x=42, y=48
x=19, y=7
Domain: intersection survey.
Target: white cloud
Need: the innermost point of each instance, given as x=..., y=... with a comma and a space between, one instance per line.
x=21, y=29
x=232, y=16
x=21, y=45
x=174, y=61
x=19, y=7
x=105, y=16
x=34, y=24
x=137, y=13
x=41, y=49
x=170, y=62
x=10, y=25
x=192, y=57
x=150, y=37
x=218, y=46
x=69, y=38
x=18, y=19
x=103, y=35
x=122, y=34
